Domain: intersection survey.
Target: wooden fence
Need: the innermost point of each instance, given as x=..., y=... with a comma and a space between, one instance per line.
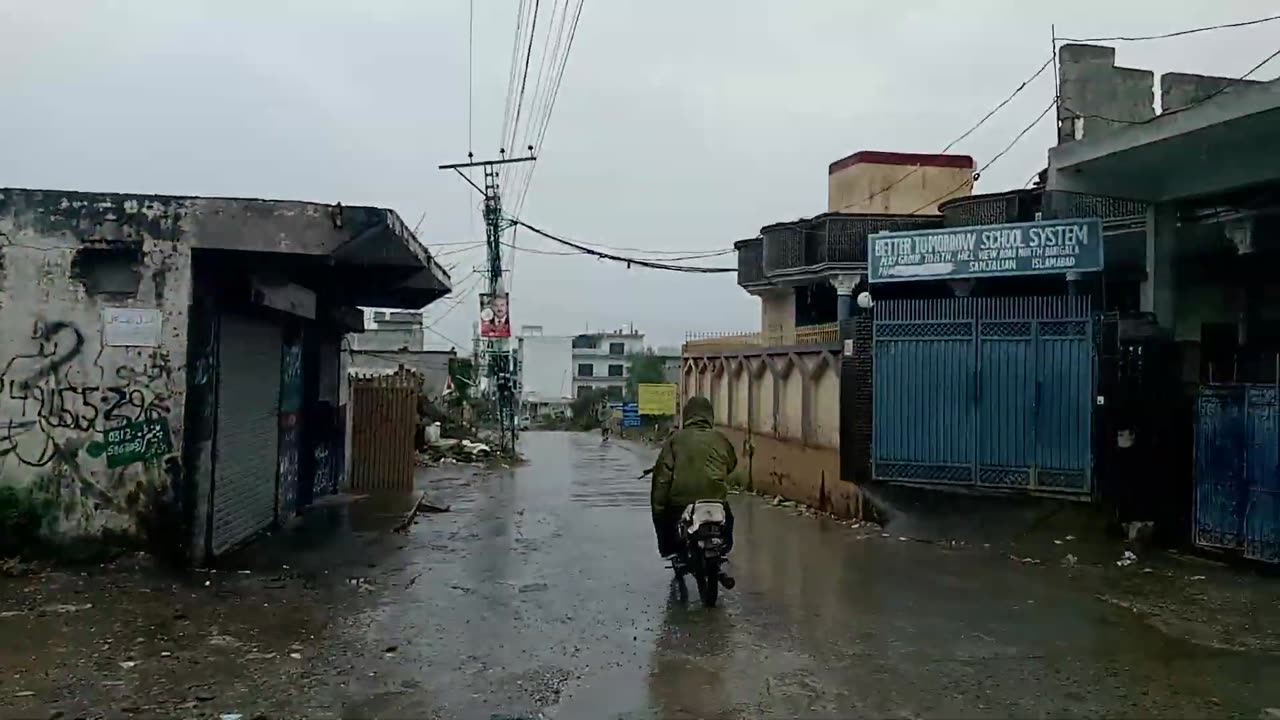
x=384, y=418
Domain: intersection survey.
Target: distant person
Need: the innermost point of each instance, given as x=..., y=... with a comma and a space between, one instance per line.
x=693, y=465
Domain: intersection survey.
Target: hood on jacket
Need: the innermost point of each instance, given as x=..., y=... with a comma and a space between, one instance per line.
x=698, y=413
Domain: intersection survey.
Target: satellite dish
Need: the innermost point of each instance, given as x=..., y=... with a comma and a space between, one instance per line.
x=864, y=300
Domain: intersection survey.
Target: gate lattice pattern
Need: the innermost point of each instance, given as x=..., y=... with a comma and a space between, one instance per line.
x=384, y=418
x=993, y=392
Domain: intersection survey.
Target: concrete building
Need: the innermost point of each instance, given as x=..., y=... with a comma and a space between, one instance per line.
x=174, y=373
x=800, y=269
x=600, y=361
x=778, y=392
x=546, y=372
x=432, y=365
x=1091, y=384
x=1194, y=277
x=391, y=330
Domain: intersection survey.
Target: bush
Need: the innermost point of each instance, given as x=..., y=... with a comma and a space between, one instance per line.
x=21, y=520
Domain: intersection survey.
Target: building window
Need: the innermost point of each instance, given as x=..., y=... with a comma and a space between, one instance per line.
x=583, y=390
x=586, y=342
x=613, y=392
x=586, y=370
x=617, y=348
x=615, y=371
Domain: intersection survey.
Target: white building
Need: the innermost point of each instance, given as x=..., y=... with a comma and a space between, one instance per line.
x=600, y=361
x=545, y=364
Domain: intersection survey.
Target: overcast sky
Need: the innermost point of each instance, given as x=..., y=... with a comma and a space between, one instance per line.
x=679, y=124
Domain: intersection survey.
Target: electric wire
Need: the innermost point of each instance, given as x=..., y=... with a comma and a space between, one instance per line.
x=513, y=70
x=524, y=78
x=978, y=173
x=629, y=261
x=1017, y=91
x=551, y=106
x=1225, y=87
x=1179, y=33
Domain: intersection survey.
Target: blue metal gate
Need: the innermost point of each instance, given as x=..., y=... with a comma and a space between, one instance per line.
x=991, y=392
x=1237, y=482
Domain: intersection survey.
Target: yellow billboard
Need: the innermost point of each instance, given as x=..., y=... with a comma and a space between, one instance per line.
x=657, y=398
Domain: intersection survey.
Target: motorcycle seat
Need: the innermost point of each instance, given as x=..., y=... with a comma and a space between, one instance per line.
x=703, y=511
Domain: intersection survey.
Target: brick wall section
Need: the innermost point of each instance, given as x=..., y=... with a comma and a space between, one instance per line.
x=856, y=400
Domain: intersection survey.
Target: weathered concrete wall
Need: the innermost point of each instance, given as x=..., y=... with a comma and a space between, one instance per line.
x=1095, y=92
x=64, y=260
x=1178, y=90
x=786, y=402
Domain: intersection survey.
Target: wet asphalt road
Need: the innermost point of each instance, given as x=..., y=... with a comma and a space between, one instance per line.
x=540, y=595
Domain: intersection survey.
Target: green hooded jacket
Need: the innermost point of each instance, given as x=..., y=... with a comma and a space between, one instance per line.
x=694, y=461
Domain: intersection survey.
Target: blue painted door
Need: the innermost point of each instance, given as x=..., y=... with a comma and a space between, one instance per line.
x=994, y=392
x=1238, y=470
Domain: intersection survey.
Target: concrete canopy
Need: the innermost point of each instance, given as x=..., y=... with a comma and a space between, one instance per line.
x=1229, y=141
x=379, y=259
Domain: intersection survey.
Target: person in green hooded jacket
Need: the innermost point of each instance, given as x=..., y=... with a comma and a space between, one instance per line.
x=694, y=465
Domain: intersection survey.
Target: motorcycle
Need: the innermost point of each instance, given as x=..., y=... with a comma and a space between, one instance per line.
x=703, y=550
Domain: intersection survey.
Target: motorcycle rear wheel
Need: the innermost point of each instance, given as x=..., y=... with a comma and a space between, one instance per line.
x=709, y=586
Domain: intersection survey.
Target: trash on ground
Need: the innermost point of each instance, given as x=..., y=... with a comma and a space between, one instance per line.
x=1127, y=559
x=66, y=608
x=1069, y=560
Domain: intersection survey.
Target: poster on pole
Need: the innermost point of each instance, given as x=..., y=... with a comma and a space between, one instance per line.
x=495, y=316
x=656, y=398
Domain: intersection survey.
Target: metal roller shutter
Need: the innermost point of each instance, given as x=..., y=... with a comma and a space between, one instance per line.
x=244, y=487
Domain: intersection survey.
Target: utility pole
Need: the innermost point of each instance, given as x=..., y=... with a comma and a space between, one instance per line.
x=497, y=350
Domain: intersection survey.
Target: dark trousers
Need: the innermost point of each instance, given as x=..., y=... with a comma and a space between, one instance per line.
x=666, y=526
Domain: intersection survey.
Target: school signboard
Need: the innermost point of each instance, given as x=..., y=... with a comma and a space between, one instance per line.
x=1044, y=246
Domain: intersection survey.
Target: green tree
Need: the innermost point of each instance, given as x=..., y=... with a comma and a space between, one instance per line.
x=460, y=370
x=646, y=368
x=586, y=409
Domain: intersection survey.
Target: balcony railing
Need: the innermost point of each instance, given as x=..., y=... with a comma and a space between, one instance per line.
x=991, y=208
x=711, y=343
x=750, y=261
x=783, y=246
x=1114, y=212
x=826, y=242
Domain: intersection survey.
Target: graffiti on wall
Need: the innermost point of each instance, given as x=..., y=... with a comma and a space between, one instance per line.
x=324, y=480
x=291, y=391
x=43, y=398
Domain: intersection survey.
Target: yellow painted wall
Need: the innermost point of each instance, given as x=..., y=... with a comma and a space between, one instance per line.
x=763, y=420
x=848, y=189
x=791, y=415
x=740, y=406
x=806, y=470
x=826, y=410
x=778, y=311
